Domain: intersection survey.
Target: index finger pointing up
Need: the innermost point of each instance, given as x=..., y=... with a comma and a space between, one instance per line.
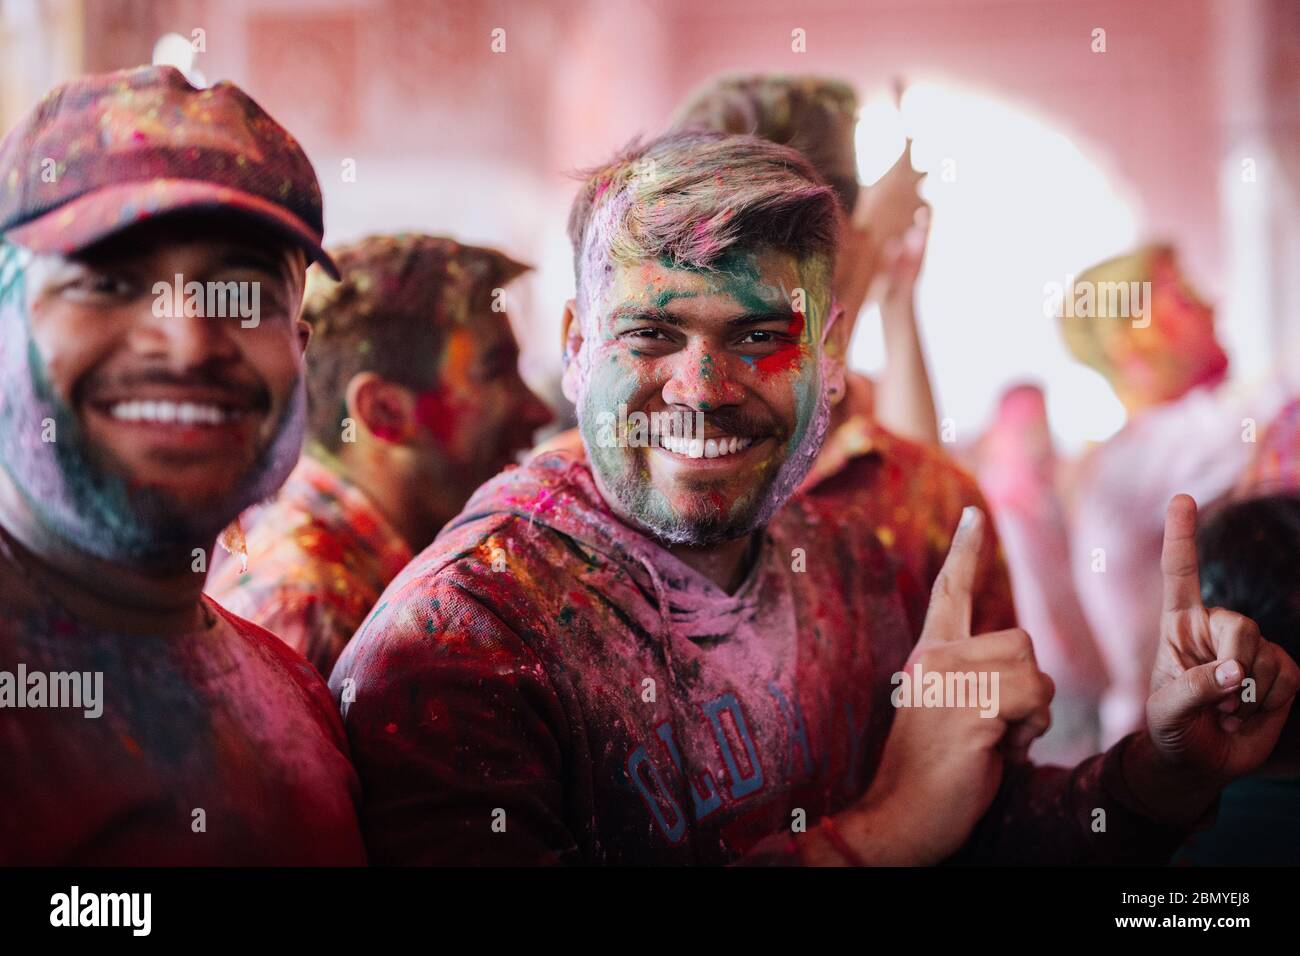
x=949, y=614
x=1178, y=556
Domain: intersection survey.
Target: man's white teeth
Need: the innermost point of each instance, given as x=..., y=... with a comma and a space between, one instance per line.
x=704, y=448
x=167, y=413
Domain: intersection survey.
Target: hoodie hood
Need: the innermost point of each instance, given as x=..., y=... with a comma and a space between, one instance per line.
x=556, y=490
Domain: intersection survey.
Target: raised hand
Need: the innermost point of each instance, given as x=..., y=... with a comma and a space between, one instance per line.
x=885, y=212
x=941, y=766
x=888, y=208
x=894, y=286
x=1220, y=692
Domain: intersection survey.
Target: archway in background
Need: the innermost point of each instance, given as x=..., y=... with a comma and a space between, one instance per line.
x=1017, y=205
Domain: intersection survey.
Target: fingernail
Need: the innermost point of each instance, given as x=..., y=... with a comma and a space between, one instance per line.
x=969, y=515
x=1227, y=673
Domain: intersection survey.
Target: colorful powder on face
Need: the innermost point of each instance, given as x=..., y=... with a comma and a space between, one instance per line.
x=448, y=408
x=76, y=495
x=788, y=357
x=668, y=296
x=740, y=276
x=436, y=411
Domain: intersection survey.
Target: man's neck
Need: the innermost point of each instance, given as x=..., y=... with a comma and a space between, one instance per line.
x=412, y=513
x=726, y=564
x=1135, y=404
x=102, y=594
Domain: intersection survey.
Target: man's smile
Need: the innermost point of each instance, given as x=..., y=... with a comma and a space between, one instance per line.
x=203, y=420
x=717, y=453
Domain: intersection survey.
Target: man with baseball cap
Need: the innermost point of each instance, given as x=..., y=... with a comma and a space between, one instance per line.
x=139, y=414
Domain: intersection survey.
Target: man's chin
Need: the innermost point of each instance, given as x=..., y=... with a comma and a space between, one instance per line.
x=699, y=520
x=184, y=516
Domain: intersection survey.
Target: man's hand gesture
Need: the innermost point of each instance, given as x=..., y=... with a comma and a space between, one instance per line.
x=1220, y=692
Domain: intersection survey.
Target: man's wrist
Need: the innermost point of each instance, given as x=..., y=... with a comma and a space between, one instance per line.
x=876, y=835
x=1160, y=790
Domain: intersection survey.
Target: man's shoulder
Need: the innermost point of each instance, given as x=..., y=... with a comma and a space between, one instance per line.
x=496, y=573
x=925, y=459
x=281, y=663
x=512, y=569
x=501, y=558
x=899, y=472
x=251, y=636
x=273, y=537
x=291, y=592
x=546, y=512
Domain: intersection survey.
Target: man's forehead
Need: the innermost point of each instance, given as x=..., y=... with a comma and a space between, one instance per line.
x=747, y=281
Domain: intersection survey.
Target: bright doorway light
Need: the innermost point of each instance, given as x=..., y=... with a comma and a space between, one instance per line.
x=172, y=49
x=1018, y=205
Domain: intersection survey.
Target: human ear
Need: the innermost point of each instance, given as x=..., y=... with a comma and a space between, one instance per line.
x=571, y=335
x=382, y=408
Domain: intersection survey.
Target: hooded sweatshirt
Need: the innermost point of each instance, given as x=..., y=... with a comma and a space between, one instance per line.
x=546, y=684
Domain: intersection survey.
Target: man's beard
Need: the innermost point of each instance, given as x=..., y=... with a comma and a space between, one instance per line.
x=623, y=477
x=72, y=492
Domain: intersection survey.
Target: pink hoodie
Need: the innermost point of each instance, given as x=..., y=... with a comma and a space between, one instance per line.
x=546, y=684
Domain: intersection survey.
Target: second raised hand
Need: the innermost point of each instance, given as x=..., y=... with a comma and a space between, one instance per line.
x=1220, y=692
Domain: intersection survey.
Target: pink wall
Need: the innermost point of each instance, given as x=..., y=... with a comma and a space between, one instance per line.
x=578, y=78
x=449, y=136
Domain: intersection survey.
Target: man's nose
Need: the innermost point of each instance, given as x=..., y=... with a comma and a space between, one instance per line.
x=702, y=379
x=188, y=340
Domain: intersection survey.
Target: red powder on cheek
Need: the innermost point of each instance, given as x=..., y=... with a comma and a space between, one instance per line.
x=436, y=414
x=787, y=357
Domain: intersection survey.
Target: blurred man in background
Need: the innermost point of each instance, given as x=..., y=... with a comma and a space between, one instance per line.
x=1152, y=337
x=139, y=417
x=415, y=401
x=1018, y=469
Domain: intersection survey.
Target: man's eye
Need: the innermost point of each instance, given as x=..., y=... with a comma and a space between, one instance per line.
x=101, y=285
x=649, y=340
x=764, y=339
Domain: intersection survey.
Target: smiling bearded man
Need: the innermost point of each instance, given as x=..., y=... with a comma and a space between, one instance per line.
x=650, y=659
x=135, y=426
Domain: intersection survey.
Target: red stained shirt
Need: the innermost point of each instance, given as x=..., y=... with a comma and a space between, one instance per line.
x=214, y=748
x=545, y=684
x=319, y=555
x=910, y=498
